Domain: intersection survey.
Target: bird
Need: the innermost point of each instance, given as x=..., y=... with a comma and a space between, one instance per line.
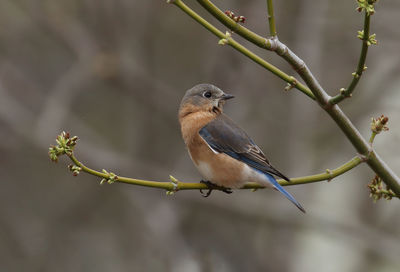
x=222, y=152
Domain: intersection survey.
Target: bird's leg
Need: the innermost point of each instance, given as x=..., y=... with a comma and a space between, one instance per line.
x=206, y=182
x=212, y=186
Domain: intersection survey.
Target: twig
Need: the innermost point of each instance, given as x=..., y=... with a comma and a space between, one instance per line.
x=344, y=93
x=271, y=19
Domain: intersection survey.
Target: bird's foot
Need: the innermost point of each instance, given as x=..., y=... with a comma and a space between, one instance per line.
x=212, y=186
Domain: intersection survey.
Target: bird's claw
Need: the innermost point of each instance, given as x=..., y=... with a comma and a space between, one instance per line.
x=227, y=190
x=207, y=194
x=211, y=187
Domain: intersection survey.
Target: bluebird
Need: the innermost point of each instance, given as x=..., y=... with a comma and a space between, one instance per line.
x=222, y=152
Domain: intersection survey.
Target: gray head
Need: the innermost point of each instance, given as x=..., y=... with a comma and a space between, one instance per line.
x=205, y=97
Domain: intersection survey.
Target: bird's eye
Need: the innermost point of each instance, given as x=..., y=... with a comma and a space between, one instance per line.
x=207, y=94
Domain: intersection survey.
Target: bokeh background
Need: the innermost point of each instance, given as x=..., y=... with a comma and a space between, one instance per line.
x=113, y=72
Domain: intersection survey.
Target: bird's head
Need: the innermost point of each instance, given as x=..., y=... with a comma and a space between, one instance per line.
x=203, y=97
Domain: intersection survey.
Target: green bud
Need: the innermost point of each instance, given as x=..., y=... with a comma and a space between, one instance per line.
x=367, y=5
x=360, y=34
x=223, y=42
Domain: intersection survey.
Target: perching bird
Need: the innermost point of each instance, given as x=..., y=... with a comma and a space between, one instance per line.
x=223, y=152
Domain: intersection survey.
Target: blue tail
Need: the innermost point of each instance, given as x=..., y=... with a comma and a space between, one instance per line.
x=284, y=192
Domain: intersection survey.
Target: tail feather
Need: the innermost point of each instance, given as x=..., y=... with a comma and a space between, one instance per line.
x=284, y=192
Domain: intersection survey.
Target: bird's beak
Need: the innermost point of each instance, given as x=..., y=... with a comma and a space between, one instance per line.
x=226, y=96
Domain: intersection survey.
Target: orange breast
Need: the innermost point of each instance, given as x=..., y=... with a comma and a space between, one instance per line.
x=218, y=168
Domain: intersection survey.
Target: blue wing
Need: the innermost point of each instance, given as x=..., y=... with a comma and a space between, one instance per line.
x=223, y=135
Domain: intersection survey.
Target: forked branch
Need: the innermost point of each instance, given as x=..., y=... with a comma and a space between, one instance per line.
x=321, y=96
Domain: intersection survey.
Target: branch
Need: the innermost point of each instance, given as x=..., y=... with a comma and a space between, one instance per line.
x=271, y=19
x=351, y=132
x=227, y=39
x=272, y=45
x=232, y=25
x=66, y=144
x=367, y=40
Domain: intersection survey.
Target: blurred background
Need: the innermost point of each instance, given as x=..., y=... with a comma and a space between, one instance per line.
x=113, y=73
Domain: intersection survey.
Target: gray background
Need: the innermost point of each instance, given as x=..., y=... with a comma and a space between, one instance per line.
x=113, y=73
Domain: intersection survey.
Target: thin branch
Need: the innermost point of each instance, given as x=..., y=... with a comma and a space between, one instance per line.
x=271, y=19
x=344, y=93
x=176, y=185
x=372, y=138
x=66, y=144
x=230, y=41
x=234, y=26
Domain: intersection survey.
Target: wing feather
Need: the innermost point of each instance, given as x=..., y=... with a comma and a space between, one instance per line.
x=223, y=135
